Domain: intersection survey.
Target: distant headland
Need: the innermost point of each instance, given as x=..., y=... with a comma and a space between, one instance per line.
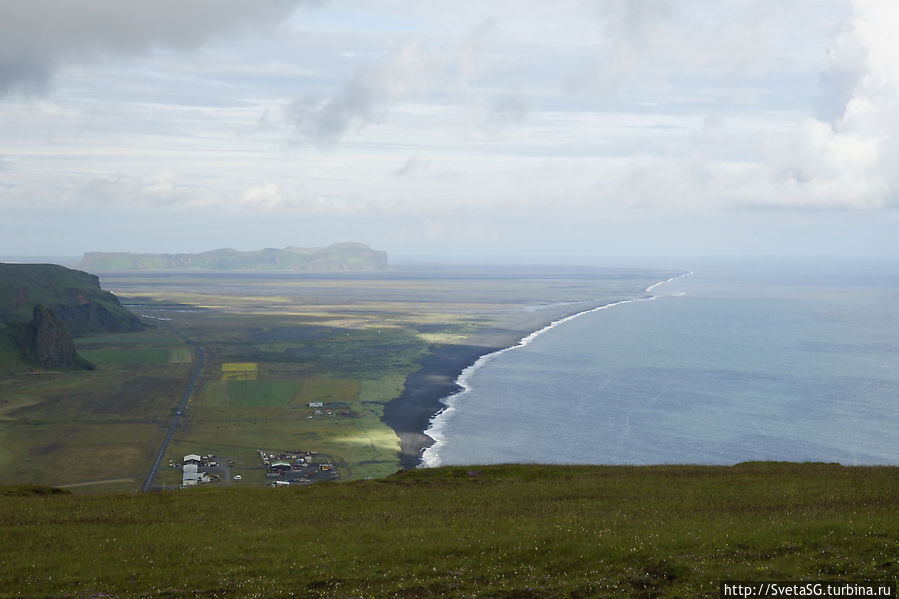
x=339, y=257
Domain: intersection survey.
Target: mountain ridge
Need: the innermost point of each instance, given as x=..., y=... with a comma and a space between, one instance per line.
x=339, y=257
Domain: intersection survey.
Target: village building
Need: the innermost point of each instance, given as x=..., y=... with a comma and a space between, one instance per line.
x=190, y=476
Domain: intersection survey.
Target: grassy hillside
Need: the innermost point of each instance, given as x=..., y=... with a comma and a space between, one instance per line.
x=338, y=257
x=503, y=531
x=10, y=354
x=75, y=296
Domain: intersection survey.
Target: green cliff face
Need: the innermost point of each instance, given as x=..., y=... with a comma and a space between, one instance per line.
x=341, y=257
x=74, y=296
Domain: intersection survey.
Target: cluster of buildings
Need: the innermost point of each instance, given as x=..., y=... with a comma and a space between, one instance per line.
x=282, y=469
x=191, y=475
x=296, y=467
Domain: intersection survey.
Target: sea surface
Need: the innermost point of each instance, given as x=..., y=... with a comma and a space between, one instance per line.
x=732, y=363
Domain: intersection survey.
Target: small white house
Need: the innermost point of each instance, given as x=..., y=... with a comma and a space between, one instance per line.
x=316, y=404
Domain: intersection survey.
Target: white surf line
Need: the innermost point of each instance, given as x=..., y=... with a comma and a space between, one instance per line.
x=654, y=285
x=154, y=317
x=430, y=456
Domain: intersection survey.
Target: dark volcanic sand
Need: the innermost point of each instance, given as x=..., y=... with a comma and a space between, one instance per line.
x=410, y=414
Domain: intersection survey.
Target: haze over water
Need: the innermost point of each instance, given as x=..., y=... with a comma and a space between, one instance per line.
x=727, y=365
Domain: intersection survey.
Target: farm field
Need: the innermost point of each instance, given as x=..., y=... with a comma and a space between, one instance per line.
x=276, y=346
x=68, y=427
x=277, y=343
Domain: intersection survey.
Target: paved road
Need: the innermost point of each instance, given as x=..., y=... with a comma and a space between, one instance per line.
x=201, y=356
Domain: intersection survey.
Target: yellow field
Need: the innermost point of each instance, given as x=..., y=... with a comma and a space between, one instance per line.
x=240, y=371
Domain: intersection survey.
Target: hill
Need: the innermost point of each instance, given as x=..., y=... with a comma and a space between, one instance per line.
x=74, y=296
x=497, y=531
x=10, y=352
x=350, y=257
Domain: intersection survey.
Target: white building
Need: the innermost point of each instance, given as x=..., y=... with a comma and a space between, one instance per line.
x=190, y=477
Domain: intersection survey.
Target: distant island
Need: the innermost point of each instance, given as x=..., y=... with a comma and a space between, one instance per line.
x=340, y=257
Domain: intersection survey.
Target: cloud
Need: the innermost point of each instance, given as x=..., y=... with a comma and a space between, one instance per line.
x=432, y=71
x=39, y=36
x=504, y=111
x=357, y=103
x=849, y=158
x=365, y=95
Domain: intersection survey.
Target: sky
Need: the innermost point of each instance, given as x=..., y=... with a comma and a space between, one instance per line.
x=584, y=130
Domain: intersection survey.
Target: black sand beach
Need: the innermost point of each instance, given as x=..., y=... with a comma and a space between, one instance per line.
x=411, y=413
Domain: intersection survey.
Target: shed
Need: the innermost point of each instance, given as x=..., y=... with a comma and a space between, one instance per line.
x=190, y=477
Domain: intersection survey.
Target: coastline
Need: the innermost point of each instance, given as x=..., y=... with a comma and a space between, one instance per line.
x=426, y=390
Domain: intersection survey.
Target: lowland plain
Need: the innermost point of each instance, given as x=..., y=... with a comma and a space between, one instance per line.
x=274, y=343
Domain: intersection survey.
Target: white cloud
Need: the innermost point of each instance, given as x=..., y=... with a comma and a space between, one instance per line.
x=38, y=36
x=475, y=121
x=850, y=161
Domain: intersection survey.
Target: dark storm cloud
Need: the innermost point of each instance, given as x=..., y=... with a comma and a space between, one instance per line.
x=38, y=36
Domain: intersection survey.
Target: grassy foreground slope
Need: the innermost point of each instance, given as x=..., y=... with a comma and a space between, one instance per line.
x=500, y=531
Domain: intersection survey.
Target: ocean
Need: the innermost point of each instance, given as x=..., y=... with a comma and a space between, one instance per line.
x=733, y=363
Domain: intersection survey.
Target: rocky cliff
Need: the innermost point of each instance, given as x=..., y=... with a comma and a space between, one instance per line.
x=46, y=341
x=74, y=296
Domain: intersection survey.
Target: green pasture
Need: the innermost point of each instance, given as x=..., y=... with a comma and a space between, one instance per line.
x=130, y=356
x=154, y=345
x=154, y=334
x=59, y=453
x=10, y=355
x=328, y=391
x=486, y=531
x=258, y=393
x=238, y=417
x=69, y=427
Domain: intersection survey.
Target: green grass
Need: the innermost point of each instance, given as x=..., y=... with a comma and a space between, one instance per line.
x=252, y=393
x=75, y=296
x=127, y=356
x=240, y=416
x=499, y=531
x=10, y=354
x=69, y=427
